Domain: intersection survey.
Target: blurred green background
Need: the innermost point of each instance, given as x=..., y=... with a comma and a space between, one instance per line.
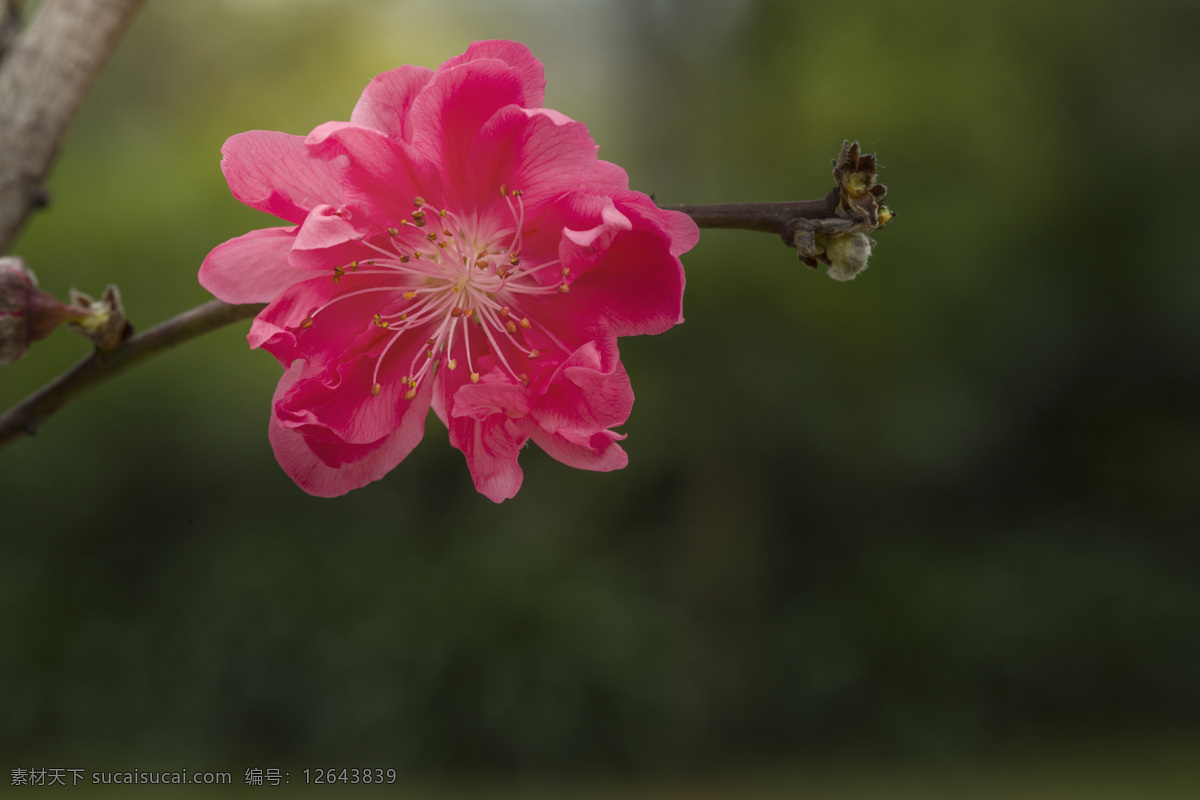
x=947, y=512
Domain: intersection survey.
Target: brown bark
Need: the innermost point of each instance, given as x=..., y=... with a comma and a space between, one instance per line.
x=44, y=78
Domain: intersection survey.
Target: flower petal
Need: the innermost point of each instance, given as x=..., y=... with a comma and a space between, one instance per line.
x=491, y=447
x=597, y=451
x=341, y=397
x=326, y=468
x=386, y=101
x=253, y=268
x=518, y=57
x=540, y=152
x=381, y=174
x=454, y=106
x=276, y=173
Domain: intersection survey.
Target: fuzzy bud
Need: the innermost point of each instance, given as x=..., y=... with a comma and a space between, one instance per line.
x=26, y=312
x=848, y=255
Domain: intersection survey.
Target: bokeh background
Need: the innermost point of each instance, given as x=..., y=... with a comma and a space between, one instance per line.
x=943, y=515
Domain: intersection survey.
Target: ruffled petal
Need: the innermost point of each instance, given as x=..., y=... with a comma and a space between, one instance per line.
x=342, y=398
x=351, y=303
x=386, y=101
x=252, y=268
x=585, y=394
x=540, y=152
x=491, y=447
x=519, y=59
x=638, y=287
x=596, y=451
x=276, y=173
x=324, y=467
x=381, y=174
x=452, y=109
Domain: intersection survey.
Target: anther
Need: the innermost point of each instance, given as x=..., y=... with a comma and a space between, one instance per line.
x=456, y=312
x=375, y=389
x=504, y=311
x=404, y=259
x=393, y=232
x=468, y=311
x=410, y=294
x=431, y=341
x=410, y=394
x=563, y=288
x=452, y=363
x=474, y=377
x=510, y=326
x=418, y=201
x=306, y=322
x=524, y=378
x=442, y=213
x=354, y=266
x=525, y=323
x=503, y=189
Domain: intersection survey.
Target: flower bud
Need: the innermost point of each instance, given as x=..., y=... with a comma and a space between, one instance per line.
x=848, y=255
x=26, y=312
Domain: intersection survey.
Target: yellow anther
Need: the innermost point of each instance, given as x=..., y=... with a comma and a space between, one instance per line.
x=375, y=389
x=442, y=213
x=431, y=341
x=306, y=322
x=429, y=353
x=431, y=236
x=514, y=261
x=446, y=232
x=524, y=378
x=354, y=266
x=474, y=377
x=410, y=294
x=503, y=189
x=468, y=311
x=563, y=288
x=504, y=311
x=534, y=354
x=418, y=201
x=525, y=323
x=452, y=363
x=510, y=326
x=417, y=255
x=442, y=245
x=410, y=394
x=517, y=193
x=403, y=259
x=456, y=312
x=393, y=232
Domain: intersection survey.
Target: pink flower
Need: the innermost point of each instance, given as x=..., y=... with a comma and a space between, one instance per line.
x=454, y=245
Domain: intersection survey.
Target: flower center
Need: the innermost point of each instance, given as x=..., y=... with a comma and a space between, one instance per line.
x=452, y=272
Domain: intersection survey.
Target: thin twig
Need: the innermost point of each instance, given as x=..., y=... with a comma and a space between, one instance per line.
x=25, y=417
x=47, y=72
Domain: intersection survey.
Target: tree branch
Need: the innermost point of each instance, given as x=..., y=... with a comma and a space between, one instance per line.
x=44, y=78
x=25, y=417
x=850, y=210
